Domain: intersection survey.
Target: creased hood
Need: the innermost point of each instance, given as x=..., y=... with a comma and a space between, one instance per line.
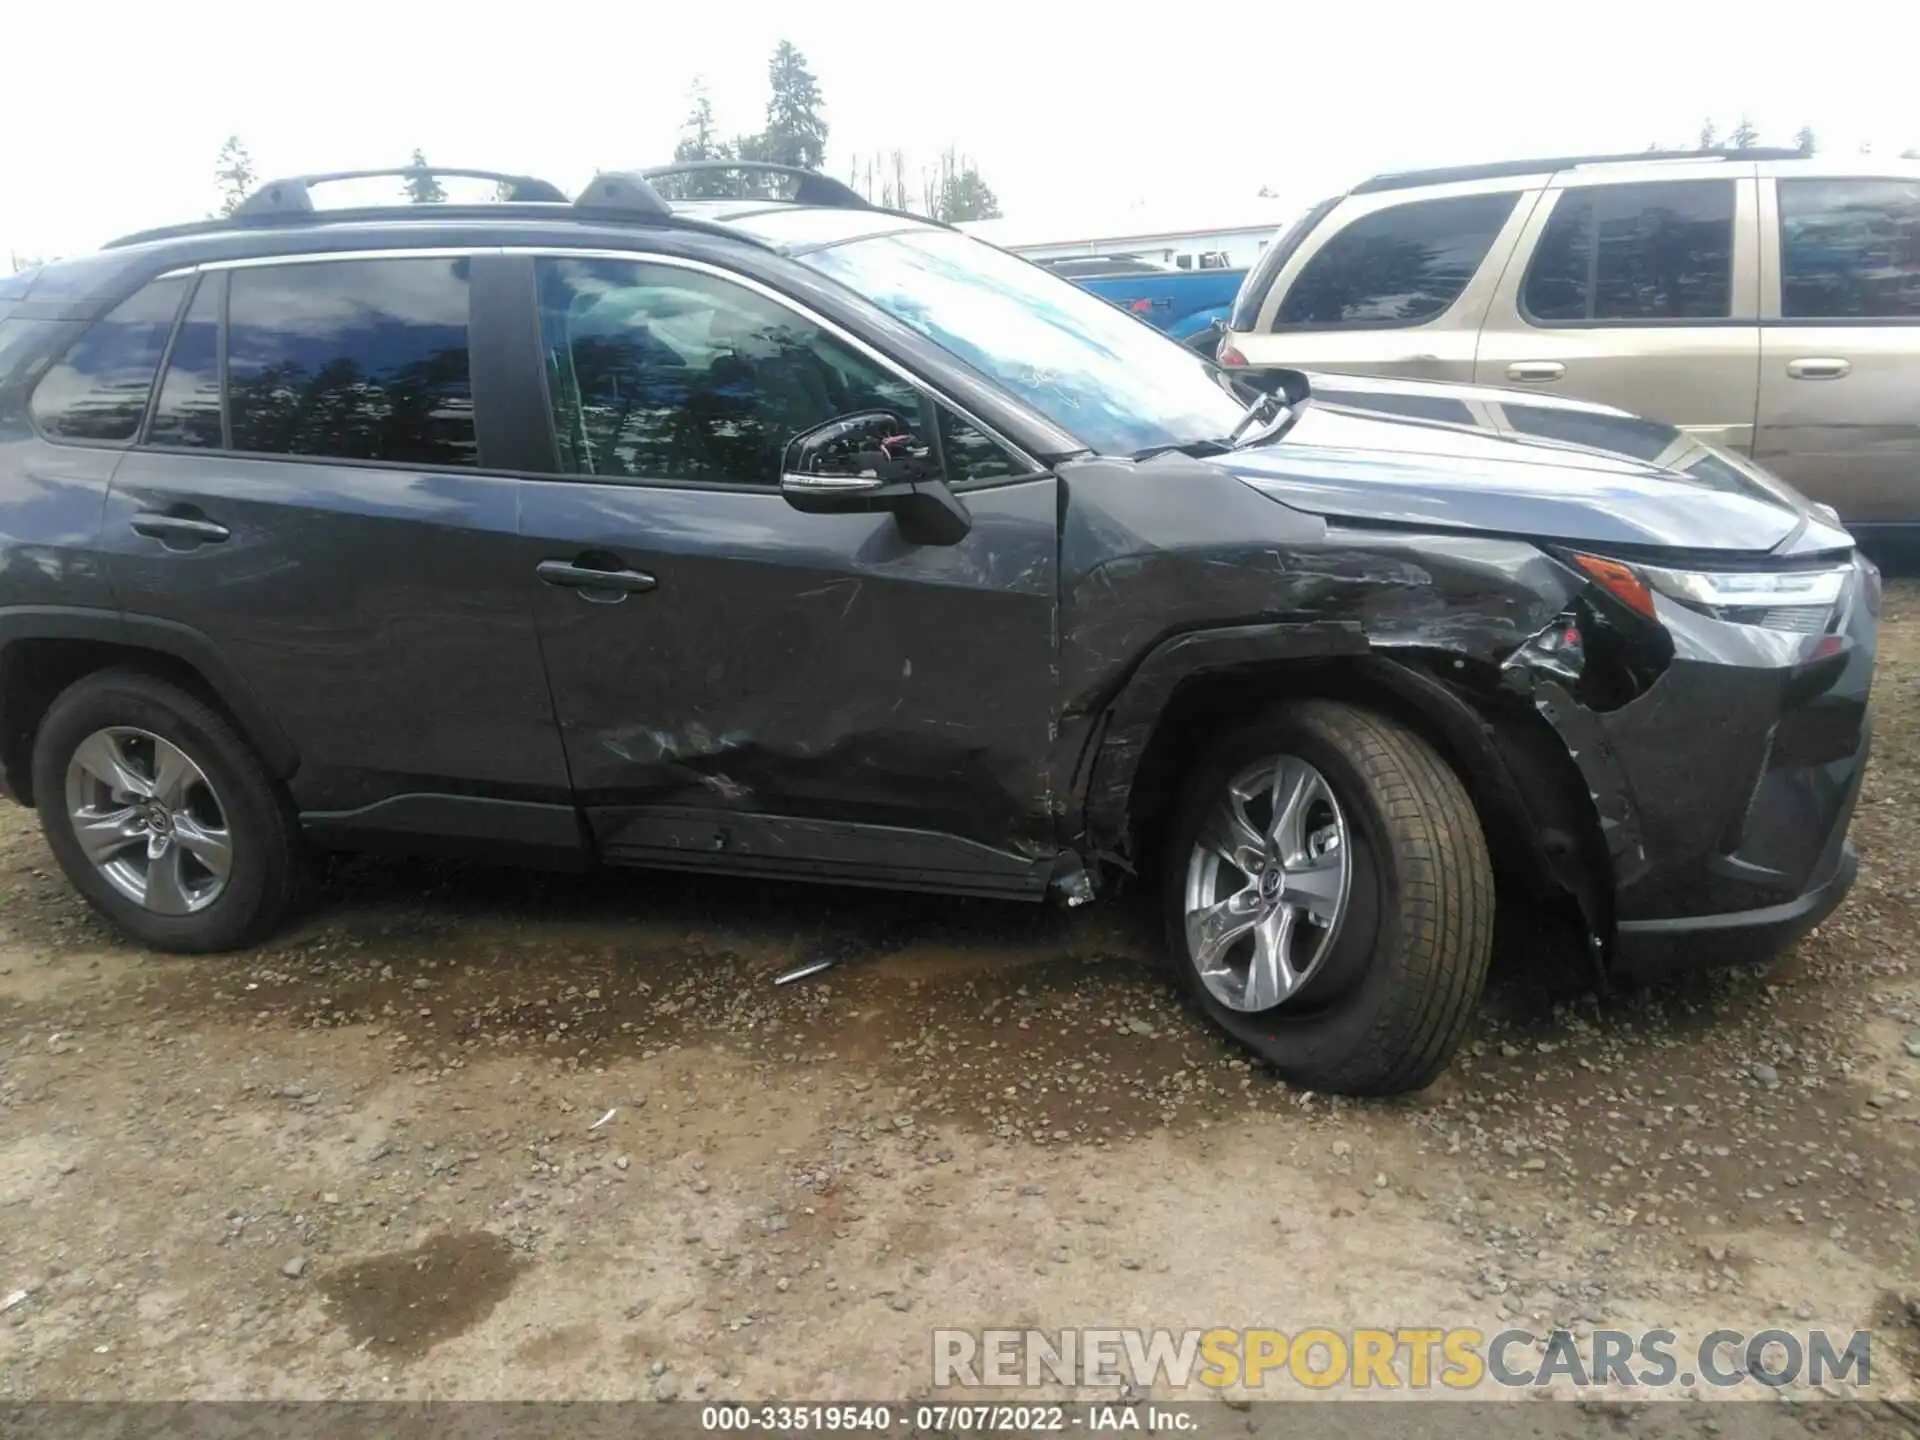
x=1470, y=458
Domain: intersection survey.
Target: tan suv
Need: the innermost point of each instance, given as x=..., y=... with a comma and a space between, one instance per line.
x=1764, y=300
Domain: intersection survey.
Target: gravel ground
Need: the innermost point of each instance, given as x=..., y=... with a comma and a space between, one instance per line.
x=365, y=1162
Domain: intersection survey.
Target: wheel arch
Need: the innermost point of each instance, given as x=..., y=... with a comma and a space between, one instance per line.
x=1542, y=829
x=44, y=651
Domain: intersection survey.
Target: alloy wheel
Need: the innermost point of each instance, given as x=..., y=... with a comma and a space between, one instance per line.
x=148, y=818
x=1267, y=884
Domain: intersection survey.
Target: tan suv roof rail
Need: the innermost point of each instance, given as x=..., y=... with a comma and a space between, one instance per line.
x=1406, y=179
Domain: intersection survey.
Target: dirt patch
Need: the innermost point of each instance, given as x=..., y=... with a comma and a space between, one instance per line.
x=1897, y=1317
x=404, y=1303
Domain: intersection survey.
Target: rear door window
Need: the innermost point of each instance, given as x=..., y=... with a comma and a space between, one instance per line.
x=1403, y=265
x=99, y=389
x=189, y=410
x=352, y=360
x=1624, y=253
x=1850, y=249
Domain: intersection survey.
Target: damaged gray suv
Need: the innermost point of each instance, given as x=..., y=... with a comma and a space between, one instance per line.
x=786, y=536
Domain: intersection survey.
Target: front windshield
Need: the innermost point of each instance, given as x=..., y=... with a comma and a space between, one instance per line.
x=1097, y=373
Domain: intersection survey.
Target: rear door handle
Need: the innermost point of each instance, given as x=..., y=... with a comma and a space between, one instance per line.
x=1819, y=367
x=612, y=586
x=1535, y=372
x=179, y=530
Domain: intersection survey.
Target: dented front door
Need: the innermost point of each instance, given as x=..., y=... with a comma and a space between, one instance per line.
x=754, y=666
x=744, y=685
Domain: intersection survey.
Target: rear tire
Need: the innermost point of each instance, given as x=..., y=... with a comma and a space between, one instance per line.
x=176, y=807
x=1382, y=997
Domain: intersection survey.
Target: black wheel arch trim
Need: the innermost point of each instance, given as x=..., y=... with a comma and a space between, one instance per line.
x=178, y=642
x=1532, y=801
x=1117, y=743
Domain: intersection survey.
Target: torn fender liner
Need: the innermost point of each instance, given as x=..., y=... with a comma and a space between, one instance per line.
x=1607, y=783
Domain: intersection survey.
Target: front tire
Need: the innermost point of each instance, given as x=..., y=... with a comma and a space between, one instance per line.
x=163, y=816
x=1329, y=898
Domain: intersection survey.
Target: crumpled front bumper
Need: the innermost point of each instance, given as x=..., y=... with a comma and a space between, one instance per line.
x=1725, y=791
x=1644, y=949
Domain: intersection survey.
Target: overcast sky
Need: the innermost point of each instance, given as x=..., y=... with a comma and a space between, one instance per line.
x=112, y=115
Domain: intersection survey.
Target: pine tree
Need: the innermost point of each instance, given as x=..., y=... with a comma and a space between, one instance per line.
x=959, y=193
x=796, y=132
x=1743, y=135
x=233, y=173
x=423, y=189
x=1804, y=140
x=1709, y=134
x=700, y=141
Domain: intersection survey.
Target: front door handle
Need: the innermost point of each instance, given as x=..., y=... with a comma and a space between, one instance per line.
x=1535, y=372
x=179, y=531
x=1819, y=367
x=602, y=586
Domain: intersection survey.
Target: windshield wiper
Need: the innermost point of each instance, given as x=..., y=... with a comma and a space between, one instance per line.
x=1266, y=412
x=1196, y=448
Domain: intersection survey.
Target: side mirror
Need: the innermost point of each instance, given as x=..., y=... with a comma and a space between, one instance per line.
x=868, y=462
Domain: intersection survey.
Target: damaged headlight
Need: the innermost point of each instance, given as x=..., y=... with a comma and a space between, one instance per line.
x=1796, y=601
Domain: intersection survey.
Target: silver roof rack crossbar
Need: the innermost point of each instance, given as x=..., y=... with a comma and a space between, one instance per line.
x=810, y=186
x=293, y=195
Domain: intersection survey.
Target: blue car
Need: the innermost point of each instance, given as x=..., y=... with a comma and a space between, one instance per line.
x=1189, y=305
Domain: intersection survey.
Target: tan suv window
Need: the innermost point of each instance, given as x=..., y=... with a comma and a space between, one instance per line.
x=1400, y=266
x=1850, y=248
x=1657, y=251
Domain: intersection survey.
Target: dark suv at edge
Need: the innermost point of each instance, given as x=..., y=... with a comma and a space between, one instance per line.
x=801, y=538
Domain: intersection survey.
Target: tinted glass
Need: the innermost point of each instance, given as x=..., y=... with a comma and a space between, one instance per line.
x=99, y=389
x=1399, y=266
x=1658, y=251
x=1096, y=372
x=969, y=454
x=189, y=410
x=1850, y=248
x=1273, y=259
x=660, y=373
x=352, y=360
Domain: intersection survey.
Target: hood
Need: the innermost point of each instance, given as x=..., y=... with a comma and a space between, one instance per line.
x=1473, y=458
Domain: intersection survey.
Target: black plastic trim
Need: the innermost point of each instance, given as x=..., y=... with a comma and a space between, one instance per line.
x=835, y=851
x=475, y=825
x=513, y=416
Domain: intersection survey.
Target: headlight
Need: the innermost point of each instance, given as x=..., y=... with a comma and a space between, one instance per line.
x=1800, y=601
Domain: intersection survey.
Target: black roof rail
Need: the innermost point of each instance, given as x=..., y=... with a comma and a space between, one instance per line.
x=624, y=192
x=810, y=187
x=1446, y=174
x=293, y=195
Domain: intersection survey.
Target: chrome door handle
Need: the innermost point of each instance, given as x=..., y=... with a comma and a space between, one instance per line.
x=1819, y=367
x=178, y=529
x=1535, y=372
